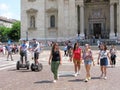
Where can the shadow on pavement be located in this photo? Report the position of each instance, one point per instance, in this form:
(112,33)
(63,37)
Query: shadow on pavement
(66,76)
(21,70)
(42,82)
(76,80)
(95,77)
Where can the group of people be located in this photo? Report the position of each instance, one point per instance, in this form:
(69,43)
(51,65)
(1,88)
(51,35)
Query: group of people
(35,48)
(76,55)
(8,49)
(85,54)
(23,50)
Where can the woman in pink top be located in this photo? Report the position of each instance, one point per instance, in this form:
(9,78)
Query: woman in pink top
(76,57)
(88,59)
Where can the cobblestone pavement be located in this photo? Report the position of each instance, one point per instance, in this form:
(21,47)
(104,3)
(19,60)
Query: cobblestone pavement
(12,79)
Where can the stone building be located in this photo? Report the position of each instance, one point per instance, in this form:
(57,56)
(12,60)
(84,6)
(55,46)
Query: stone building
(67,19)
(6,22)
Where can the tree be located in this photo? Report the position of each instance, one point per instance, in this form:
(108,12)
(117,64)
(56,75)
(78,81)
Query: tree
(15,31)
(10,33)
(4,31)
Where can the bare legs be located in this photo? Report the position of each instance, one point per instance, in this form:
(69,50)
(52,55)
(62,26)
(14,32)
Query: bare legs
(87,67)
(104,71)
(77,66)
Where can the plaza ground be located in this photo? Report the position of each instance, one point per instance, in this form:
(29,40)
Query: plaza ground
(12,79)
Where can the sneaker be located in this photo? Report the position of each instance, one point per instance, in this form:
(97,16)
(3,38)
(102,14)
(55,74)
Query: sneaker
(75,74)
(86,80)
(105,77)
(89,78)
(54,81)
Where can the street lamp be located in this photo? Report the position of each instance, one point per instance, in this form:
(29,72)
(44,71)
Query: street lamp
(26,35)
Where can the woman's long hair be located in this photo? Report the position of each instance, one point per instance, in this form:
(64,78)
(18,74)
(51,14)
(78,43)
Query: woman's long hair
(105,47)
(53,47)
(75,46)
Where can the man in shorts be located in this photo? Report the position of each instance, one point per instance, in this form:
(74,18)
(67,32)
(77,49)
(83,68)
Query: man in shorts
(36,50)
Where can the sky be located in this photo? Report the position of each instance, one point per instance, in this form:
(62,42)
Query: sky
(10,9)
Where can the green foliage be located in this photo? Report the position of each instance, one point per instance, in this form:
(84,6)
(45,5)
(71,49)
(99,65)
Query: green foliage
(10,33)
(3,33)
(15,32)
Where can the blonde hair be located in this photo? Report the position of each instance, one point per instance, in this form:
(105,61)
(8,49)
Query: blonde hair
(87,45)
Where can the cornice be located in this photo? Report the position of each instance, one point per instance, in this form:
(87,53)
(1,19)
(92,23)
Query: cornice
(32,10)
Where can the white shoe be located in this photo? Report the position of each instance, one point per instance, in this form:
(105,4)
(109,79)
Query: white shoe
(89,78)
(86,80)
(105,77)
(54,81)
(75,74)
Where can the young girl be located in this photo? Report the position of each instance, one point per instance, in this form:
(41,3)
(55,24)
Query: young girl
(55,60)
(103,60)
(76,56)
(88,59)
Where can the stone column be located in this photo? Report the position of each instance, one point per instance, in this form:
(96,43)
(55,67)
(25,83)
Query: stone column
(72,23)
(82,21)
(118,19)
(60,19)
(66,20)
(118,23)
(112,34)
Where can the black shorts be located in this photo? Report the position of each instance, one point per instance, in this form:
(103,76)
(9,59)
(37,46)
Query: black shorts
(113,57)
(36,55)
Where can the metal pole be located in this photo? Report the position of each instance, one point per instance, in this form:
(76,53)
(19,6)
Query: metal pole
(26,35)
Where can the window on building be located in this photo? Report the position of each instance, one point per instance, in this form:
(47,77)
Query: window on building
(32,13)
(32,21)
(52,21)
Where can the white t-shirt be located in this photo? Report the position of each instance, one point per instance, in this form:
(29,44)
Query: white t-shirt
(103,54)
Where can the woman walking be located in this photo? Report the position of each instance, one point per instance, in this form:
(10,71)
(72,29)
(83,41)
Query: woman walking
(103,60)
(76,57)
(113,55)
(88,59)
(55,60)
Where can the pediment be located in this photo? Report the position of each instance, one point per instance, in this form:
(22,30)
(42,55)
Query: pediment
(51,10)
(32,10)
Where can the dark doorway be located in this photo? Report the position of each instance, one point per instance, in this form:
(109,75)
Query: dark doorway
(97,30)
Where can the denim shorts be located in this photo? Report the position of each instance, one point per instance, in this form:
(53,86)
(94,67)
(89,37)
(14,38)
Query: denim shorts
(103,62)
(87,62)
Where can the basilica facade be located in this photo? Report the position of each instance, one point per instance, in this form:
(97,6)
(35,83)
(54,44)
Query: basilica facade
(68,19)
